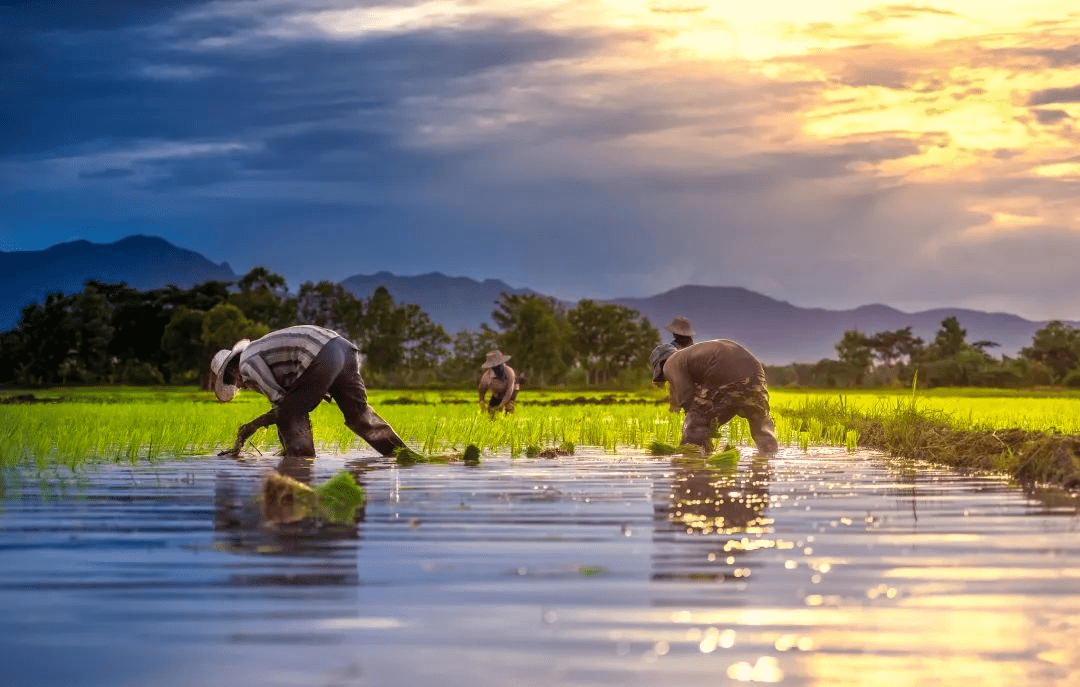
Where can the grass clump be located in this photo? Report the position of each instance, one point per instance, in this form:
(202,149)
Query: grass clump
(907,430)
(286,501)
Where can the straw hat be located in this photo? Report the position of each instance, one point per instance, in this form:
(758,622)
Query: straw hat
(680,326)
(494,359)
(225,392)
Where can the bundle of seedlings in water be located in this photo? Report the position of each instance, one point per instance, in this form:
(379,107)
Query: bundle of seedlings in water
(566,448)
(406,456)
(659,448)
(287,501)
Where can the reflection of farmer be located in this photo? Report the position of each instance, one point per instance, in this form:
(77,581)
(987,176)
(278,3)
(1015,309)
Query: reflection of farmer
(499,378)
(296,368)
(706,500)
(713,381)
(681,331)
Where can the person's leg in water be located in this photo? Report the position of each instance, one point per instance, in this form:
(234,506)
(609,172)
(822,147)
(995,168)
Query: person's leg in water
(293,422)
(762,428)
(509,407)
(493,404)
(296,437)
(350,394)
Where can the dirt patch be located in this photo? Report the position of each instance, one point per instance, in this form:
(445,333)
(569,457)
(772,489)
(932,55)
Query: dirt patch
(28,398)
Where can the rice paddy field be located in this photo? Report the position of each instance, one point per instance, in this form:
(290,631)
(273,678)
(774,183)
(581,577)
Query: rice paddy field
(73,426)
(832,562)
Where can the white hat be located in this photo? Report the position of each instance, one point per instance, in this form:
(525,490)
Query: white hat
(680,326)
(494,359)
(225,392)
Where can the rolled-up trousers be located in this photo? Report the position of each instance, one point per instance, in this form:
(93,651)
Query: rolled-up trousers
(335,371)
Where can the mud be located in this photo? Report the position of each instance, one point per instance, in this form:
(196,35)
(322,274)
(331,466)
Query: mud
(1033,457)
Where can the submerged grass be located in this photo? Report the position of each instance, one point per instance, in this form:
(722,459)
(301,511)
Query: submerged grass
(1030,437)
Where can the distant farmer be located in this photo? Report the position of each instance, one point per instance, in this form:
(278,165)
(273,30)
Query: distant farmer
(682,332)
(296,368)
(500,379)
(713,381)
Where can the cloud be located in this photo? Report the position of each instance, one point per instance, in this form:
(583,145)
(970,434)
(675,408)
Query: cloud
(1051,96)
(821,156)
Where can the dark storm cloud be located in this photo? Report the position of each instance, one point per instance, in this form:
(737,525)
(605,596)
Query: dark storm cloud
(1050,116)
(112,84)
(1051,96)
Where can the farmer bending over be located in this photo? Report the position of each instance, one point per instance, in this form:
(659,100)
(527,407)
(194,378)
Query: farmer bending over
(713,381)
(296,368)
(500,379)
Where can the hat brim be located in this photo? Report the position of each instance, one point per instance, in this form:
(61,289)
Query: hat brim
(680,331)
(225,392)
(494,363)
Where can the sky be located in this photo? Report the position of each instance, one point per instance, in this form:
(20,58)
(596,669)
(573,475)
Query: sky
(830,154)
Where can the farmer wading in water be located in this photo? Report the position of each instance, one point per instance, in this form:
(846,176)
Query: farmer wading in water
(296,368)
(713,381)
(500,379)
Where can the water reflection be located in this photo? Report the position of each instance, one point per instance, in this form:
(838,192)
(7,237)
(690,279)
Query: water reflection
(268,514)
(714,515)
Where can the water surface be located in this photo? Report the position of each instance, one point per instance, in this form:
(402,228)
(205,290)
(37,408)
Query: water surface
(818,568)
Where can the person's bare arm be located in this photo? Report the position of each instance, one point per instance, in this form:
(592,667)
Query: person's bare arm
(247,429)
(485,384)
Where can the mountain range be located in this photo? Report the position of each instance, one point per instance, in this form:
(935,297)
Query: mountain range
(776,331)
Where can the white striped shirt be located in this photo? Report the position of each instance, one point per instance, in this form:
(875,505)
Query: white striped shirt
(273,363)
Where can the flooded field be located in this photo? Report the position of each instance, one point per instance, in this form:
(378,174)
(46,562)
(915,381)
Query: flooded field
(809,568)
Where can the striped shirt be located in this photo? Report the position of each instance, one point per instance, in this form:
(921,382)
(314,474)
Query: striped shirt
(273,363)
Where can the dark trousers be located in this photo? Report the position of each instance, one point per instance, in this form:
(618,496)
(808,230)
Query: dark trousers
(335,371)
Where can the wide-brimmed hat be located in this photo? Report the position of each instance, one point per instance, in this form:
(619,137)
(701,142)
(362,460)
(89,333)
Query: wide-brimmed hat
(680,326)
(225,392)
(494,359)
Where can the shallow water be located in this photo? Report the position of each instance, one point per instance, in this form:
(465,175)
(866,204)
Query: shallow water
(819,568)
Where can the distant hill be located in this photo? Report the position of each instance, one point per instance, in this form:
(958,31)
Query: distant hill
(143,262)
(776,331)
(780,333)
(454,302)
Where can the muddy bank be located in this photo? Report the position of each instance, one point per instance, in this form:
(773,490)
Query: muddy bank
(608,400)
(27,398)
(1029,457)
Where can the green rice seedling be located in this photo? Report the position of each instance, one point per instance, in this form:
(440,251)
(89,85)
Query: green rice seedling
(130,424)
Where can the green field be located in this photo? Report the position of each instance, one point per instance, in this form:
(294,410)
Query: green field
(136,423)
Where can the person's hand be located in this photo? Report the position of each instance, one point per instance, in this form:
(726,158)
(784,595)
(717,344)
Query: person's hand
(242,435)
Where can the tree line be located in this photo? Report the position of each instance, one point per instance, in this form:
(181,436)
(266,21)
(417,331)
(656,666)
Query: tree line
(898,357)
(114,334)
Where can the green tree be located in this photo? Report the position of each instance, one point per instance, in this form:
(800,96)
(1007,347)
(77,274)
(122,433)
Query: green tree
(222,327)
(535,332)
(383,337)
(609,339)
(332,306)
(45,329)
(854,350)
(263,296)
(425,341)
(182,345)
(468,350)
(891,347)
(89,322)
(1056,345)
(950,339)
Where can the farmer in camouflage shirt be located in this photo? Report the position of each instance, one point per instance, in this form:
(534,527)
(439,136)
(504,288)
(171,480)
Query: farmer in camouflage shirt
(713,381)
